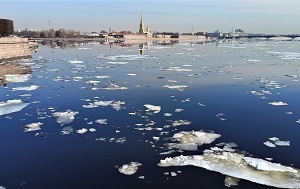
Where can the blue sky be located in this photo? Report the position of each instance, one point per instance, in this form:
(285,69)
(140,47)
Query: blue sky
(256,16)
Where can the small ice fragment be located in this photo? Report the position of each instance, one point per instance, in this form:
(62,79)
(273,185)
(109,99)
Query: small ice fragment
(81,131)
(173,174)
(65,117)
(121,140)
(167,114)
(112,87)
(75,61)
(131,74)
(298,121)
(279,103)
(140,177)
(67,130)
(101,121)
(178,110)
(176,87)
(269,144)
(156,138)
(289,113)
(231,181)
(29,88)
(166,173)
(117,131)
(155,109)
(129,169)
(33,127)
(92,129)
(201,104)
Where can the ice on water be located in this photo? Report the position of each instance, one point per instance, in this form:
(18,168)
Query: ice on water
(150,107)
(65,117)
(17,78)
(33,127)
(130,168)
(12,106)
(28,88)
(239,166)
(190,140)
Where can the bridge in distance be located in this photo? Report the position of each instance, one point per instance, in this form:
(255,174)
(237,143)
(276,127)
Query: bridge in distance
(268,36)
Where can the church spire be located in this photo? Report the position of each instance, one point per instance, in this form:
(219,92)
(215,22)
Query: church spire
(141,30)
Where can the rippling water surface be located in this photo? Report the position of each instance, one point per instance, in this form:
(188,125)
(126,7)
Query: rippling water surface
(86,111)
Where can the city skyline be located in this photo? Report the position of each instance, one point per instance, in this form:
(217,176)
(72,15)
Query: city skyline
(264,16)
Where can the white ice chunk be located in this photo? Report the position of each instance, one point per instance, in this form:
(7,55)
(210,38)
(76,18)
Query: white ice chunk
(264,165)
(101,121)
(238,166)
(65,117)
(33,127)
(129,169)
(155,109)
(167,114)
(279,103)
(81,131)
(113,87)
(76,61)
(269,144)
(17,78)
(178,110)
(92,129)
(181,122)
(102,77)
(231,181)
(11,106)
(132,74)
(176,87)
(29,88)
(67,130)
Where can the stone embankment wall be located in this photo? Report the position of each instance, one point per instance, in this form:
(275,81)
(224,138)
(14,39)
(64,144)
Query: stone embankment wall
(14,48)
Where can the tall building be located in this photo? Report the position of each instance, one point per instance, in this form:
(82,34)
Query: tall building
(141,31)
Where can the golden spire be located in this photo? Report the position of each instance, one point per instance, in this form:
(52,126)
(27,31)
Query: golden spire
(141,31)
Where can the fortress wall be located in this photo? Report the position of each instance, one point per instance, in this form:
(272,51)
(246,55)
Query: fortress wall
(136,37)
(14,48)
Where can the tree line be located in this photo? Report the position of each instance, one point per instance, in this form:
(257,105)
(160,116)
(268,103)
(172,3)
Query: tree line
(61,33)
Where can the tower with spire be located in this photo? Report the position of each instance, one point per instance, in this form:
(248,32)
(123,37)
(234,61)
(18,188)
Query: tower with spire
(141,31)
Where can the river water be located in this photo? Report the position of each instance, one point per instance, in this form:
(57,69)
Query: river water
(89,109)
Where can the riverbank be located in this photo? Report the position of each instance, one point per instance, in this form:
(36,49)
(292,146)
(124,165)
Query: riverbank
(12,48)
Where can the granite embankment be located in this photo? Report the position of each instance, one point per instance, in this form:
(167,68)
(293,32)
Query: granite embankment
(14,48)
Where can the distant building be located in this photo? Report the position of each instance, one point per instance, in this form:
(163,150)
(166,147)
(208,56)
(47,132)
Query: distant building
(141,30)
(6,27)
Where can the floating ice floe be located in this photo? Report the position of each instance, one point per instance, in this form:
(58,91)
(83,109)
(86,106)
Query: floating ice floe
(231,181)
(155,109)
(117,63)
(17,78)
(125,57)
(287,55)
(81,131)
(178,110)
(180,122)
(167,114)
(129,169)
(190,140)
(113,87)
(117,105)
(298,121)
(67,130)
(102,77)
(11,106)
(65,117)
(33,127)
(29,88)
(132,74)
(176,87)
(101,121)
(274,141)
(239,166)
(279,103)
(177,69)
(76,61)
